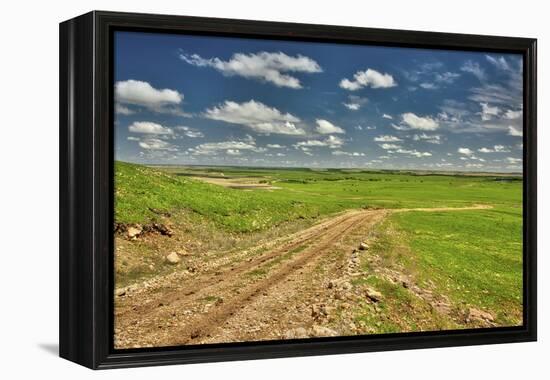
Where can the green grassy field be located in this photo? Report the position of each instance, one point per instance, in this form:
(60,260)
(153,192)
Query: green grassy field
(142,192)
(473,257)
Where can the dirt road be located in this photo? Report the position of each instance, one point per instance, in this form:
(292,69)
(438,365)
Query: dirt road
(283,289)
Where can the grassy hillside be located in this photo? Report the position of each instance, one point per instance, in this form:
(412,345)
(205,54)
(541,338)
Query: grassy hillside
(143,193)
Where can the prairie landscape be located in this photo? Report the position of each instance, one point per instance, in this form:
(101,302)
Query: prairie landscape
(283,190)
(212,254)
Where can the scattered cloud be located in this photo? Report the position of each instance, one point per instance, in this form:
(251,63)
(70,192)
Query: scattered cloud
(123,110)
(513,160)
(387,138)
(512,131)
(325,127)
(474,165)
(230,147)
(465,151)
(332,142)
(233,152)
(432,139)
(389,146)
(494,149)
(351,154)
(428,86)
(512,115)
(151,143)
(263,66)
(412,121)
(499,62)
(256,116)
(430,76)
(148,127)
(275,146)
(368,78)
(190,132)
(446,77)
(475,69)
(355,103)
(413,152)
(488,112)
(386,116)
(142,94)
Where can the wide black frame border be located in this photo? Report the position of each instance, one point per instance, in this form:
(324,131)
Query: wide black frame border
(86,189)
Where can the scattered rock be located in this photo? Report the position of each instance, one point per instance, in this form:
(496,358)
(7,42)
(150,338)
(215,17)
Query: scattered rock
(322,331)
(346,285)
(173,258)
(480,315)
(374,295)
(163,229)
(296,333)
(363,246)
(120,292)
(134,232)
(183,252)
(319,311)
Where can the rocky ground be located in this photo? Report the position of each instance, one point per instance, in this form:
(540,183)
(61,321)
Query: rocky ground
(325,280)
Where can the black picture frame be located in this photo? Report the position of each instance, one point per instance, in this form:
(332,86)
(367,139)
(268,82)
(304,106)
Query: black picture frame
(86,189)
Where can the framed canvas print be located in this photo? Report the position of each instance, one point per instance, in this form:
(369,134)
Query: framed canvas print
(238,189)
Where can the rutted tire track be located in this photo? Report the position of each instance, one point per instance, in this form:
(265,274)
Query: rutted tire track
(206,324)
(200,285)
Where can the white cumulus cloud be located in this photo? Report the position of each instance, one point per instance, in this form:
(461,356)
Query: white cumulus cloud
(156,144)
(513,131)
(256,116)
(148,127)
(231,147)
(368,78)
(264,66)
(465,151)
(387,138)
(325,127)
(142,94)
(512,115)
(412,121)
(332,142)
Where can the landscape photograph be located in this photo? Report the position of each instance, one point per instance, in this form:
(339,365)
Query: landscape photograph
(284,190)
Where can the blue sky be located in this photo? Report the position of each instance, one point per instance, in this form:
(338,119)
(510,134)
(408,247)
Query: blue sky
(232,101)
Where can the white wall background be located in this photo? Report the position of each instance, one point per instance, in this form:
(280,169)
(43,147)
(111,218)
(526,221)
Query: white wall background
(29,191)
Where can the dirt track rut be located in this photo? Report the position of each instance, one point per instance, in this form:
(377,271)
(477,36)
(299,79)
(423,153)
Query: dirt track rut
(252,298)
